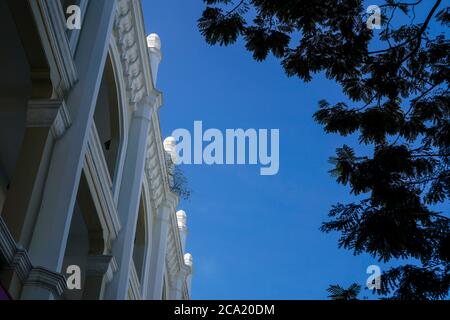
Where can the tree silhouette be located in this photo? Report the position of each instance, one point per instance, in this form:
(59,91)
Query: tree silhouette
(339,293)
(398,104)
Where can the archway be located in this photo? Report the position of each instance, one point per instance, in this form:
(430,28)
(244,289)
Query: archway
(86,247)
(25,135)
(107,119)
(15,91)
(24,143)
(141,242)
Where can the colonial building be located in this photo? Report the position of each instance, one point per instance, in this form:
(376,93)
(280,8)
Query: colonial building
(87,205)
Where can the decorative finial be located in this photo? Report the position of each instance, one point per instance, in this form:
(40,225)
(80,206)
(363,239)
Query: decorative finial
(170,146)
(182,219)
(188,260)
(155,55)
(153,41)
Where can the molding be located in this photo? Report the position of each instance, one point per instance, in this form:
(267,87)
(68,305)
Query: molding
(100,185)
(49,113)
(98,265)
(8,246)
(102,265)
(18,260)
(156,168)
(21,264)
(173,267)
(113,268)
(50,19)
(134,284)
(153,171)
(185,292)
(62,122)
(130,37)
(49,280)
(124,114)
(175,263)
(131,43)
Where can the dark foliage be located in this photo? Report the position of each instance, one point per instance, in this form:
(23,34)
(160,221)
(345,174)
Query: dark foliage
(180,184)
(178,181)
(338,293)
(398,104)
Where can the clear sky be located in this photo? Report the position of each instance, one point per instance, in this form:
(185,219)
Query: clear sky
(252,237)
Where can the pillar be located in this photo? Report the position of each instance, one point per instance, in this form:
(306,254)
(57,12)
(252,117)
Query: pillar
(47,120)
(49,239)
(129,197)
(159,247)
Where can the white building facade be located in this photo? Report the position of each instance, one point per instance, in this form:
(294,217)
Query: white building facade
(85,178)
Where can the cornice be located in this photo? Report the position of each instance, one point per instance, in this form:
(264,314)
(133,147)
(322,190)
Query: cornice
(49,280)
(132,45)
(156,167)
(130,37)
(102,265)
(8,246)
(18,260)
(49,113)
(50,18)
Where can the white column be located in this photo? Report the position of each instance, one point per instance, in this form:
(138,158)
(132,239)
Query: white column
(52,226)
(155,55)
(129,197)
(182,228)
(159,247)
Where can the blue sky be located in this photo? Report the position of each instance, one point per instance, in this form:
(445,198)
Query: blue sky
(252,237)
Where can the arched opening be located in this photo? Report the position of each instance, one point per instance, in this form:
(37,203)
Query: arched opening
(140,241)
(107,118)
(15,91)
(23,144)
(85,245)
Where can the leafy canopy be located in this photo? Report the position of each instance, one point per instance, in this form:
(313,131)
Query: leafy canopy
(398,104)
